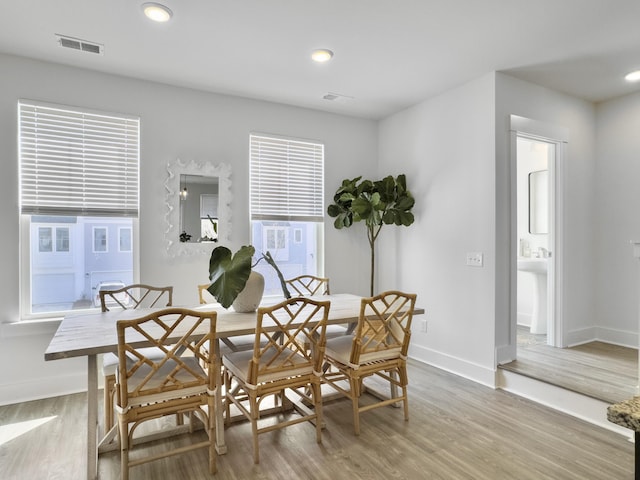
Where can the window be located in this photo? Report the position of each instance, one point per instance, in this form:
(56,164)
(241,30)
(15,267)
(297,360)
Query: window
(99,239)
(62,239)
(124,239)
(287,206)
(208,217)
(45,242)
(45,239)
(78,192)
(274,240)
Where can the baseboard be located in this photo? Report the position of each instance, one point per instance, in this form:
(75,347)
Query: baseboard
(37,389)
(457,366)
(623,338)
(580,406)
(580,336)
(524,319)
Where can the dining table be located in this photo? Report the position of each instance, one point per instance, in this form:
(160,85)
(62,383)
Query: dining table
(89,334)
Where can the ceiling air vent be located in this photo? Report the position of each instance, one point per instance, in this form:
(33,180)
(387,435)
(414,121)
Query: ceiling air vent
(337,97)
(82,45)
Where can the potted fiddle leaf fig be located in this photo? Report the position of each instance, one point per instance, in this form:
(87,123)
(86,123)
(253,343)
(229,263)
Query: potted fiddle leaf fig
(233,282)
(377,203)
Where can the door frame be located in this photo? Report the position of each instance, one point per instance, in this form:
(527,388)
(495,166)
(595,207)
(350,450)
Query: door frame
(535,130)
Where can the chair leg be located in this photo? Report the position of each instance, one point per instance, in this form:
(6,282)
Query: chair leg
(109,398)
(317,402)
(402,373)
(227,402)
(406,403)
(124,448)
(211,431)
(355,396)
(255,414)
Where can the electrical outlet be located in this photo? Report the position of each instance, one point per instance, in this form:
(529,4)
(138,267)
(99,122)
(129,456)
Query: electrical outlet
(474,259)
(423,327)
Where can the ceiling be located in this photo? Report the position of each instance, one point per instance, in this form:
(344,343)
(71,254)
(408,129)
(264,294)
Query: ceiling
(389,54)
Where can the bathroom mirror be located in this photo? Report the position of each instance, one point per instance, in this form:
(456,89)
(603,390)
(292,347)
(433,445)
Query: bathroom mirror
(198,203)
(539,202)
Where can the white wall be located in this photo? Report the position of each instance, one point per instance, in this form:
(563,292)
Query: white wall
(445,145)
(455,149)
(175,123)
(617,210)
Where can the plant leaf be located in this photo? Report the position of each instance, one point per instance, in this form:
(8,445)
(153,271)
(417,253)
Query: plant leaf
(229,274)
(362,206)
(333,210)
(405,202)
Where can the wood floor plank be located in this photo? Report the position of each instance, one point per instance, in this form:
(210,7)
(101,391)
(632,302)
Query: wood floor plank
(458,429)
(600,370)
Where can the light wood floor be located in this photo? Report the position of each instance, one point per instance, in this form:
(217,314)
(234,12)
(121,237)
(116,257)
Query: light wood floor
(458,430)
(600,370)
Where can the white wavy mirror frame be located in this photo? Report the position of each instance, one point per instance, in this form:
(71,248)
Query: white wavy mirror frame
(222,171)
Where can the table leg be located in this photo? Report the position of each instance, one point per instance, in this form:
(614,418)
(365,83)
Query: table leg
(221,446)
(92,417)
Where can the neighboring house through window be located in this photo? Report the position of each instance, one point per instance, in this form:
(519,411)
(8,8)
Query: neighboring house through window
(287,209)
(78,197)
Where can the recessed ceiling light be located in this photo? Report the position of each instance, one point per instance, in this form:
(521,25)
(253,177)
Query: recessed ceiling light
(322,55)
(633,76)
(157,12)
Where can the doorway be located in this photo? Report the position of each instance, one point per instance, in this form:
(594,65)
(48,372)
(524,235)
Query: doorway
(536,245)
(534,159)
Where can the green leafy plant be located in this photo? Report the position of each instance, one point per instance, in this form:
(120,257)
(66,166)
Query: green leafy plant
(229,273)
(377,203)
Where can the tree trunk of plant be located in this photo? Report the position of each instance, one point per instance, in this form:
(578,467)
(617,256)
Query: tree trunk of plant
(372,234)
(373,262)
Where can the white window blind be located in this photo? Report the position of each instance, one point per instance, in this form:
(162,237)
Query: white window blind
(77,163)
(287,179)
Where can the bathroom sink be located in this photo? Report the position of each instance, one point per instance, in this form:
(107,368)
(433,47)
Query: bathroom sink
(533,265)
(538,268)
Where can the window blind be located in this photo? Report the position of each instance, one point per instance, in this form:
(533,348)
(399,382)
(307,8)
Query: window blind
(77,163)
(287,179)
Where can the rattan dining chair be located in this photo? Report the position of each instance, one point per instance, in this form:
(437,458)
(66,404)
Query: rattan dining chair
(202,296)
(310,285)
(136,296)
(235,344)
(377,347)
(175,384)
(279,366)
(128,297)
(305,285)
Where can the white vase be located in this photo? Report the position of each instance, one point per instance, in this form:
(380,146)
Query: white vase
(251,295)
